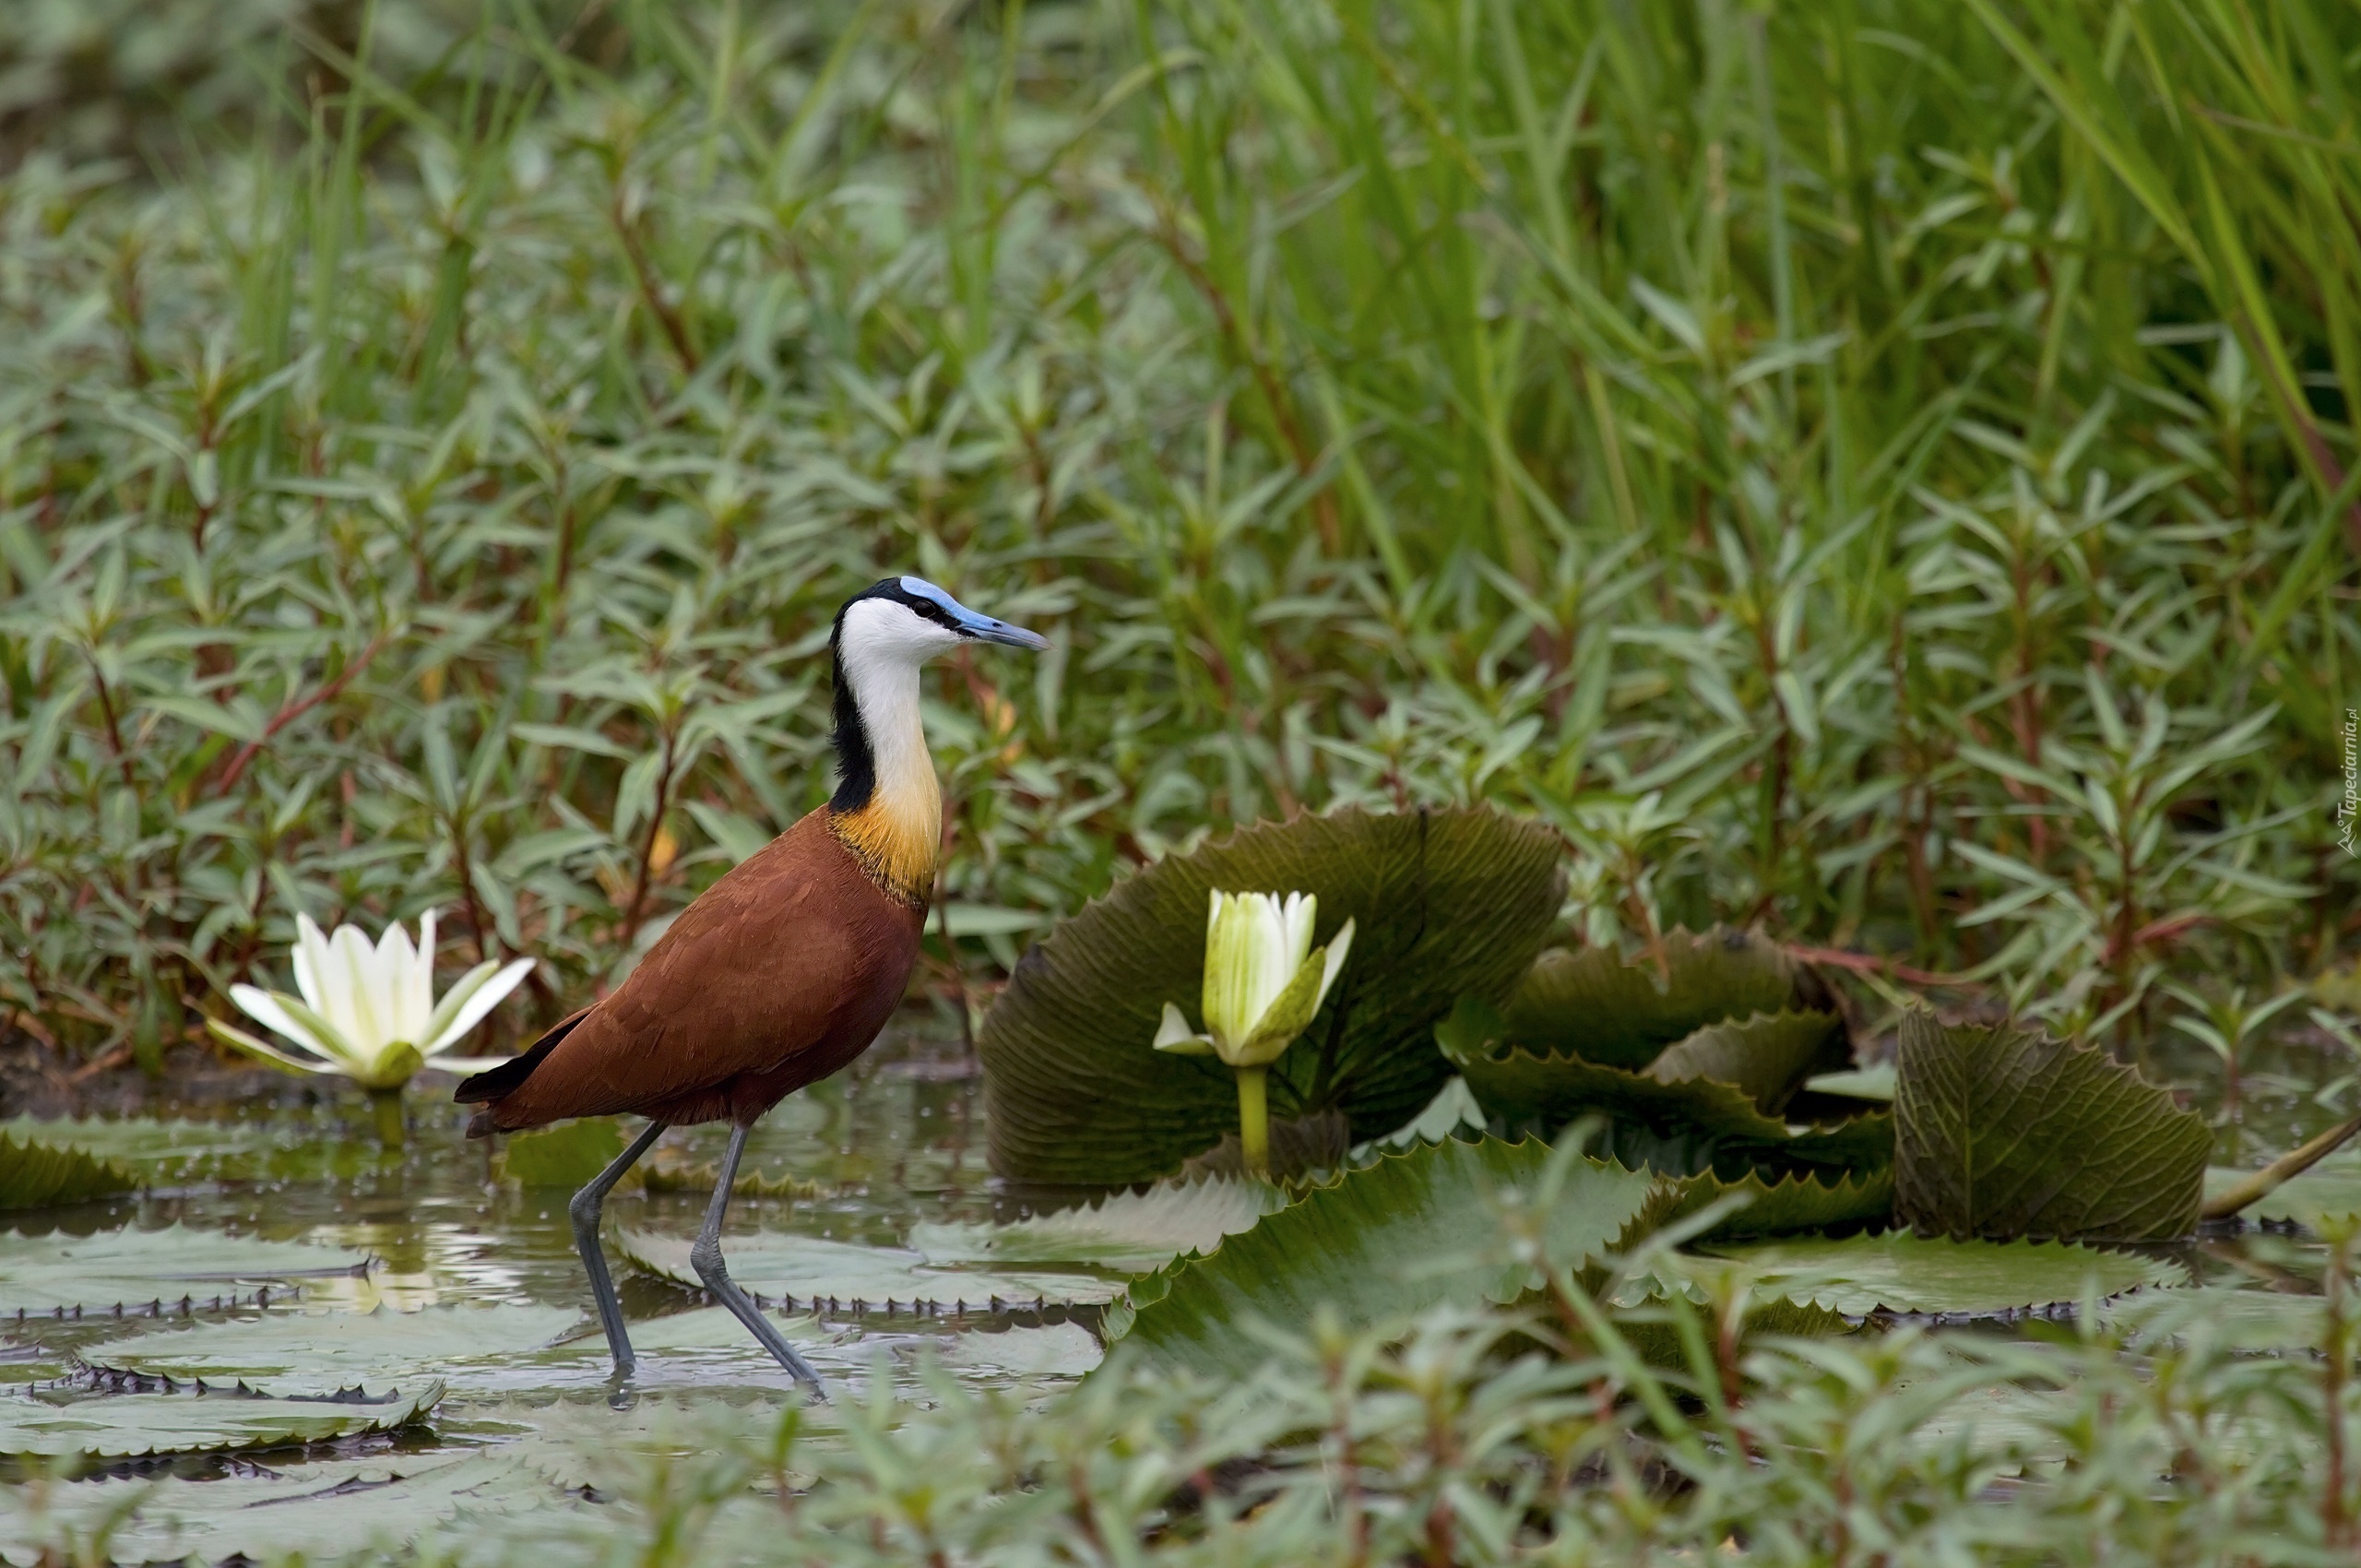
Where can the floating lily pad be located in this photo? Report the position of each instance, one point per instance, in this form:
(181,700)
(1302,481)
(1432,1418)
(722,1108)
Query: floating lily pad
(1902,1273)
(2328,1191)
(2243,1319)
(1132,1232)
(55,1422)
(1767,1055)
(149,1272)
(2001,1131)
(567,1155)
(850,1279)
(382,1500)
(1445,903)
(1792,1204)
(1452,1113)
(466,1348)
(37,1175)
(669,1176)
(161,1152)
(1382,1242)
(1682,1127)
(1598,1006)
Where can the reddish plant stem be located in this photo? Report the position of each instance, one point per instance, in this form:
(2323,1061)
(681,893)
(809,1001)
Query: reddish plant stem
(326,692)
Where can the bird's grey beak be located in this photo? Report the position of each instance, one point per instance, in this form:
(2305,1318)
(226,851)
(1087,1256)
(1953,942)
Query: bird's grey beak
(983,628)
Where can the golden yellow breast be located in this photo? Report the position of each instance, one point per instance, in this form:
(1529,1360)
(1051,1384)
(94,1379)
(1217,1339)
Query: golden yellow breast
(896,838)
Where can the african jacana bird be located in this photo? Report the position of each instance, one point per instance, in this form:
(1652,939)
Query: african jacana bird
(780,973)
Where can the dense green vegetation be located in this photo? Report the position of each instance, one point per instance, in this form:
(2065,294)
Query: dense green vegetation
(1878,476)
(1876,472)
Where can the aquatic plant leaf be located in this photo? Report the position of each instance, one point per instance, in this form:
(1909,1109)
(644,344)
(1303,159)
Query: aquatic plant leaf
(2241,1319)
(35,1175)
(1444,902)
(1794,1203)
(55,1423)
(2001,1131)
(1766,1054)
(1689,1124)
(567,1155)
(161,1151)
(1902,1273)
(1132,1232)
(1871,1083)
(1452,1113)
(1380,1242)
(671,1176)
(147,1273)
(467,1348)
(384,1501)
(2330,1190)
(850,1279)
(1594,1003)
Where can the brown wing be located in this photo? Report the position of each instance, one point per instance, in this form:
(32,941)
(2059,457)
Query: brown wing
(795,957)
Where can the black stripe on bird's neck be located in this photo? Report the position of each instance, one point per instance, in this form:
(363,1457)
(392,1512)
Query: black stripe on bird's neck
(855,764)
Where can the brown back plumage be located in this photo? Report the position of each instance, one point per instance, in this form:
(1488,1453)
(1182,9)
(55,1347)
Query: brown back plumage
(774,977)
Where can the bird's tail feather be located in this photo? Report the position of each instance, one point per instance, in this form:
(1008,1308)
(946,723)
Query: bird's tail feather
(495,1083)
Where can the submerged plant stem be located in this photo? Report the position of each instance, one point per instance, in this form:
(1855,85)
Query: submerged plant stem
(385,1106)
(1254,1121)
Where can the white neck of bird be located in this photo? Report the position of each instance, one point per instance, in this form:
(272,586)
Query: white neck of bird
(899,832)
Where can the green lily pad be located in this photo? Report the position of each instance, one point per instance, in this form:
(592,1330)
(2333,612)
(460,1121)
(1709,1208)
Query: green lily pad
(846,1278)
(1796,1202)
(2241,1319)
(36,1175)
(1445,903)
(465,1348)
(567,1155)
(383,1501)
(150,1272)
(1596,1005)
(2328,1191)
(509,1352)
(2002,1133)
(1767,1054)
(1902,1273)
(1380,1243)
(1682,1127)
(1130,1232)
(163,1152)
(52,1423)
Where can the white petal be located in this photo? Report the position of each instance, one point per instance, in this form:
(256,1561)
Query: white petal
(267,1052)
(311,965)
(1338,946)
(1174,1035)
(420,1005)
(396,968)
(1296,916)
(1173,1026)
(467,1063)
(266,1010)
(1277,956)
(486,991)
(351,985)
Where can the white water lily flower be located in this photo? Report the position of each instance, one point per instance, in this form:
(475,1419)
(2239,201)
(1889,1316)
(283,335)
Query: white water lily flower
(369,1013)
(1263,980)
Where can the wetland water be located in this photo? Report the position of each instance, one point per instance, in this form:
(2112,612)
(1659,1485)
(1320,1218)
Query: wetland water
(433,1270)
(473,1282)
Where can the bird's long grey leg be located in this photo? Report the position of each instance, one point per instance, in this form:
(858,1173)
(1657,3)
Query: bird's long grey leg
(705,1257)
(584,1209)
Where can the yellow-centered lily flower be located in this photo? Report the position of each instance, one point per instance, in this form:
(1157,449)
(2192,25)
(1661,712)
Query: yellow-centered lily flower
(1264,983)
(366,1013)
